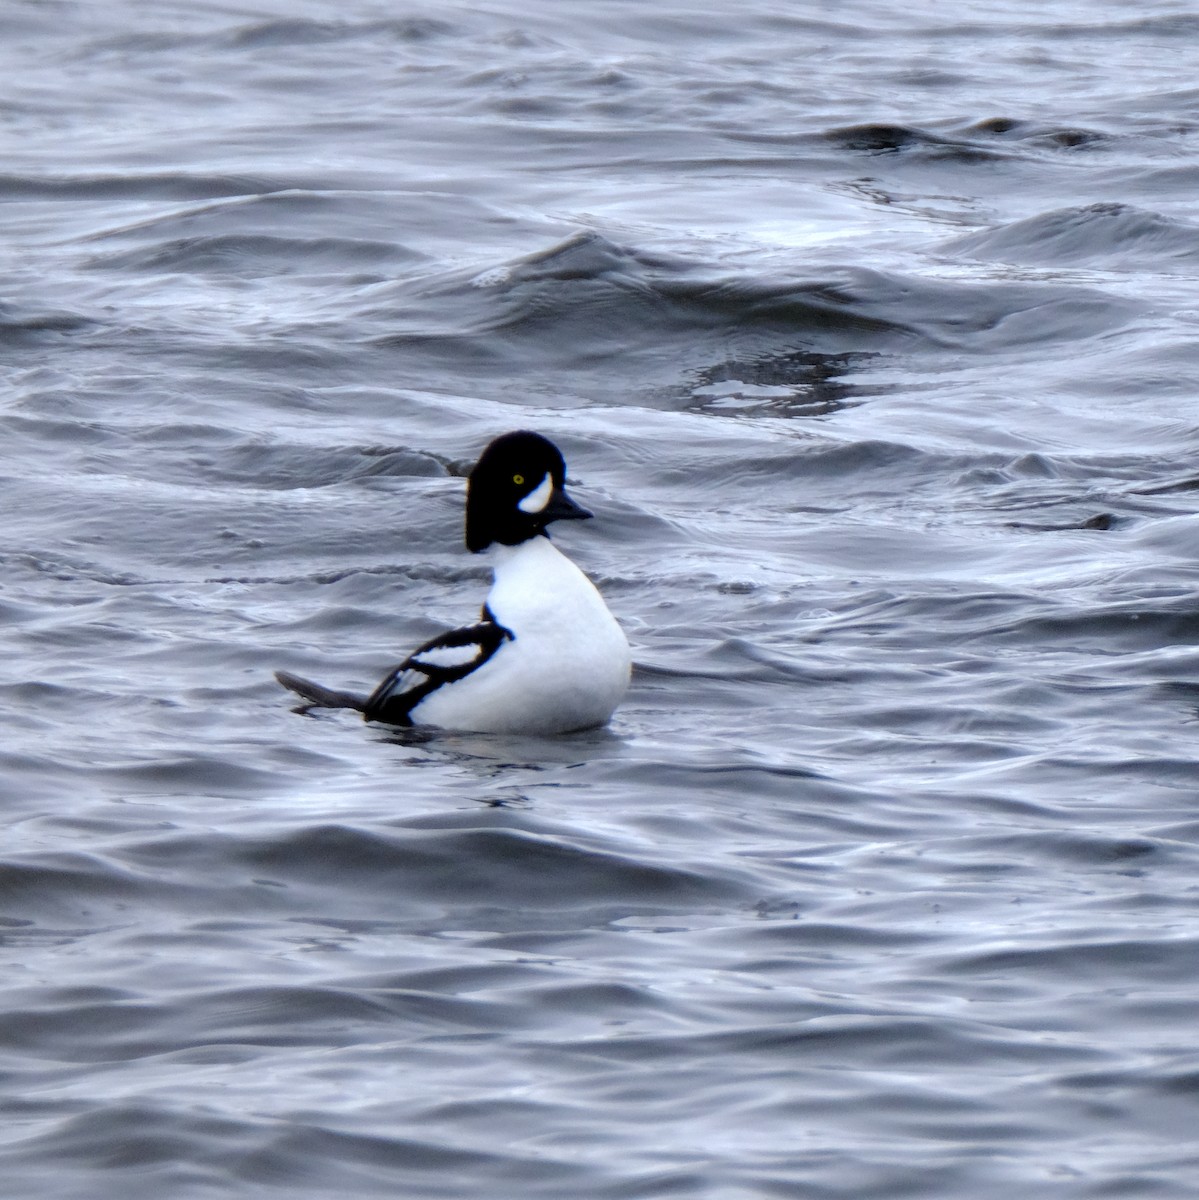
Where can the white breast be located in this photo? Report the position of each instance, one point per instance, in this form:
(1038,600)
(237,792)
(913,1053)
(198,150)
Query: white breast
(567,666)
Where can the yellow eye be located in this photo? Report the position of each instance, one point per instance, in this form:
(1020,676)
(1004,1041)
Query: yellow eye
(518,479)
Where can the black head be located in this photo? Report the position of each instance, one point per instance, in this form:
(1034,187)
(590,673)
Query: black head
(515,490)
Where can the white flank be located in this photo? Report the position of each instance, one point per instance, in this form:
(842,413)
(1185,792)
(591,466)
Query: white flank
(539,497)
(566,666)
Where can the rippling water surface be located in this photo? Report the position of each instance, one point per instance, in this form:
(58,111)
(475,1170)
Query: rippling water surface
(869,333)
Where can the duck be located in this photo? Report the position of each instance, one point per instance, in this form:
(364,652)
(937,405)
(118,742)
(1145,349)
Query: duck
(546,656)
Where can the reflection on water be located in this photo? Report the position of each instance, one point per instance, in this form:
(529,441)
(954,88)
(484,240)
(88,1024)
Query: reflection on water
(787,385)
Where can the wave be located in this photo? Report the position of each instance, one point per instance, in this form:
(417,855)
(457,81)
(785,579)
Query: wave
(1094,234)
(589,301)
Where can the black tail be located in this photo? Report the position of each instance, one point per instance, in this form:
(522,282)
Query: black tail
(318,696)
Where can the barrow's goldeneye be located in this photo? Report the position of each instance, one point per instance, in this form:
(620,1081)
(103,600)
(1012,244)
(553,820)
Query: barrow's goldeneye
(546,657)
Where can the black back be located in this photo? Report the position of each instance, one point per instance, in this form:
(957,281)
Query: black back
(420,674)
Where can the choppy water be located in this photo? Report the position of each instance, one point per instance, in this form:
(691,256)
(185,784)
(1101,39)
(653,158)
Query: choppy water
(870,335)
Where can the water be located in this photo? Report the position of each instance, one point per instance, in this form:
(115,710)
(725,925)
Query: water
(870,335)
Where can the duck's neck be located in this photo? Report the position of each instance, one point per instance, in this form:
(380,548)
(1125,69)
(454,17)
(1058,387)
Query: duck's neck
(532,550)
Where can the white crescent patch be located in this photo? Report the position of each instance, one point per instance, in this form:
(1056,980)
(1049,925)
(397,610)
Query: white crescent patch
(539,497)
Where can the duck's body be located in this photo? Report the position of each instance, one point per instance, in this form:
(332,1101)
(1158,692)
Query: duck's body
(547,657)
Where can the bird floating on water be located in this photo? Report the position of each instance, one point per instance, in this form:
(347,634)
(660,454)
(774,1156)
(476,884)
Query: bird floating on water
(546,656)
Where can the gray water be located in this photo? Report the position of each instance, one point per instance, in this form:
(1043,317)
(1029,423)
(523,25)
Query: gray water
(869,333)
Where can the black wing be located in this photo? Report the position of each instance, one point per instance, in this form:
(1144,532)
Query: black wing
(444,659)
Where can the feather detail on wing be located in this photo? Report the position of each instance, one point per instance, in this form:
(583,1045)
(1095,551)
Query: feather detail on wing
(445,659)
